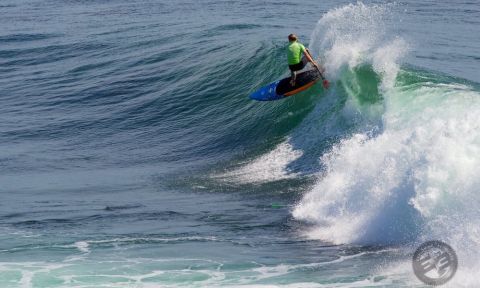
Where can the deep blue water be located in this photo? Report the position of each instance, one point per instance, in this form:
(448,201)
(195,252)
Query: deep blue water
(131,155)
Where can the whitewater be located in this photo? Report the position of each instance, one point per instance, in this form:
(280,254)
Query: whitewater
(407,172)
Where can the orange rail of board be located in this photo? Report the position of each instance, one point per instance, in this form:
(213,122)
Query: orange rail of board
(300,89)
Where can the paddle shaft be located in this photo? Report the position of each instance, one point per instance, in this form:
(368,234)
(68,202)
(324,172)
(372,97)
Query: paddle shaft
(315,64)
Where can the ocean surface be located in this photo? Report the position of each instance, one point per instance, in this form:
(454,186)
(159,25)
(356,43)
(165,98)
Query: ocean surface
(132,156)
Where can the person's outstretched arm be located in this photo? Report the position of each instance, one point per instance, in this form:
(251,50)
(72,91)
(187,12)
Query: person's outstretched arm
(310,58)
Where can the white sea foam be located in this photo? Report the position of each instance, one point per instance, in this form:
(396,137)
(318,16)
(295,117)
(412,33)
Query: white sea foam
(415,180)
(82,246)
(271,166)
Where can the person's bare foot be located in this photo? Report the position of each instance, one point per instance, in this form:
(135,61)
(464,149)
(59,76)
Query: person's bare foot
(292,82)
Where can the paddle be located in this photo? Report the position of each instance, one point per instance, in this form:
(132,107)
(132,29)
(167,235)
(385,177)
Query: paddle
(325,82)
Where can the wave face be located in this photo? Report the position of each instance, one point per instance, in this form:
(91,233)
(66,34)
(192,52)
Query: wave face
(414,176)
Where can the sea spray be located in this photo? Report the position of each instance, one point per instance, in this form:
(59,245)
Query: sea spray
(357,34)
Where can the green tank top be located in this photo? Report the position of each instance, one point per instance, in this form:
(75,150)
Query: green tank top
(294,52)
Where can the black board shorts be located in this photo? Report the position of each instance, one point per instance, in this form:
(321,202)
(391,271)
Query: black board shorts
(299,66)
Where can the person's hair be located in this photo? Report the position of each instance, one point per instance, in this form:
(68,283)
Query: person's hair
(292,37)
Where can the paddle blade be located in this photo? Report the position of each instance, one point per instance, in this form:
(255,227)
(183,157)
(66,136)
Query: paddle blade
(325,83)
